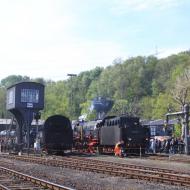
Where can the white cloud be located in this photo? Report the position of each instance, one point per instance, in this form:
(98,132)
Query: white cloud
(165,52)
(32,22)
(123,6)
(55,62)
(42,38)
(31,37)
(38,39)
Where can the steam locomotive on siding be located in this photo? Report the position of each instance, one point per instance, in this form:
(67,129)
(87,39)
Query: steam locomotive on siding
(104,135)
(125,129)
(57,135)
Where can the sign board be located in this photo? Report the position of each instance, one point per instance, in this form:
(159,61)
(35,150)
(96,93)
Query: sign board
(29,105)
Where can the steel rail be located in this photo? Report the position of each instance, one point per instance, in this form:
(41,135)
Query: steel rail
(165,170)
(2,187)
(34,180)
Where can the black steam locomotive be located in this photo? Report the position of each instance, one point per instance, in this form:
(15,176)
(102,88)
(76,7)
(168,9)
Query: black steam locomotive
(125,129)
(57,134)
(111,130)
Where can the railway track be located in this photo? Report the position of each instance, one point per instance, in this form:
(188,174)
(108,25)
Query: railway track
(125,165)
(11,179)
(129,171)
(171,158)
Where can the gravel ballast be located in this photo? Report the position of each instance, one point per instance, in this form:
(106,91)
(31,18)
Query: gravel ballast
(93,181)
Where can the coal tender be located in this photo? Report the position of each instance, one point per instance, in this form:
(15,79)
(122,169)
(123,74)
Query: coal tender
(57,134)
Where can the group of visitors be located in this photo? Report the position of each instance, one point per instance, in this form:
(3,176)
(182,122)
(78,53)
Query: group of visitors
(170,145)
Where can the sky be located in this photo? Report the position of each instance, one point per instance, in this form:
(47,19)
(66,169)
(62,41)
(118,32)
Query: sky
(52,38)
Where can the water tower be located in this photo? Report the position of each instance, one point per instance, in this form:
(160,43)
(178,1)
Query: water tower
(24,100)
(101,105)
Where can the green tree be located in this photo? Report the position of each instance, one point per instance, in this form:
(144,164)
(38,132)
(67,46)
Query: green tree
(181,90)
(56,100)
(162,103)
(177,130)
(13,79)
(119,107)
(3,111)
(146,107)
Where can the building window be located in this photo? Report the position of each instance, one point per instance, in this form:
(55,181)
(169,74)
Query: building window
(153,131)
(11,96)
(30,95)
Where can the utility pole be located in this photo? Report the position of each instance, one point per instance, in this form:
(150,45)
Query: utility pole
(186,126)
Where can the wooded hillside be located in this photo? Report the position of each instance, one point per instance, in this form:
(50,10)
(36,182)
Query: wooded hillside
(144,86)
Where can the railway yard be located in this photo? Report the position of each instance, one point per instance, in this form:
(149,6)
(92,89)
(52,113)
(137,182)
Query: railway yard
(116,153)
(95,172)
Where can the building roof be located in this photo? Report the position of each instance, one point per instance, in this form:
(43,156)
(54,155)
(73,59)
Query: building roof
(159,122)
(9,122)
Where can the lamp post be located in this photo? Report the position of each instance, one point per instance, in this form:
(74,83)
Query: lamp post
(71,75)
